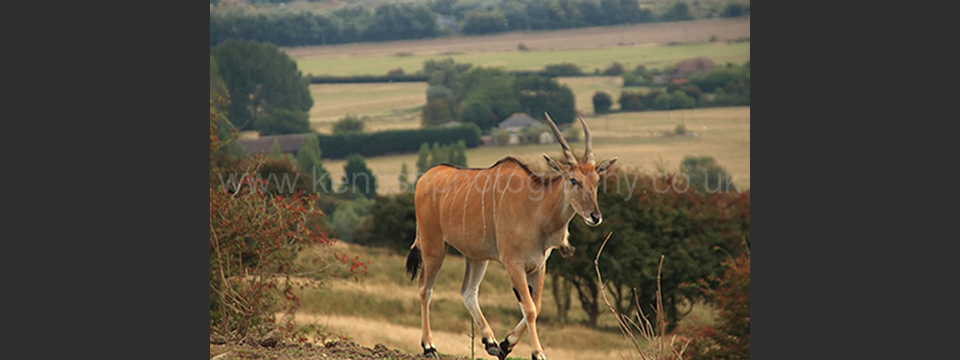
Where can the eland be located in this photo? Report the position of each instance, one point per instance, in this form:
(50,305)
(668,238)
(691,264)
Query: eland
(504,213)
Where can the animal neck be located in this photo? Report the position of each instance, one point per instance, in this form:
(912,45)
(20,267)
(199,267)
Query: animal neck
(557,210)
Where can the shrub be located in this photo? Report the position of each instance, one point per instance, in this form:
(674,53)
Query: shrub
(254,242)
(601,102)
(631,79)
(392,224)
(395,72)
(348,124)
(282,121)
(631,101)
(501,137)
(338,146)
(615,69)
(438,111)
(730,337)
(562,69)
(522,47)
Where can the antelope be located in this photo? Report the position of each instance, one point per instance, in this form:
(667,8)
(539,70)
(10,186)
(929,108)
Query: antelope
(504,213)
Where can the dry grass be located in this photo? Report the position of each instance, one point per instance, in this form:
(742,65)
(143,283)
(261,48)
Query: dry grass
(723,133)
(389,106)
(584,38)
(385,308)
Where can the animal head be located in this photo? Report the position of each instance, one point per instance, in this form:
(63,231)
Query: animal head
(580,178)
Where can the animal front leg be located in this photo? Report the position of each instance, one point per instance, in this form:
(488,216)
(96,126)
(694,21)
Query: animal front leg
(528,305)
(535,286)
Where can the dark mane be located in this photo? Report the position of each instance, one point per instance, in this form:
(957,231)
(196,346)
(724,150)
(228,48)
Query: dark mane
(537,179)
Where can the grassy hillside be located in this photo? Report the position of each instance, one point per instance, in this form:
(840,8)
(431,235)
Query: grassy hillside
(385,308)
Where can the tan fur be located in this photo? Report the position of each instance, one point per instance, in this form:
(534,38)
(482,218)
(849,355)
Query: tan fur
(504,213)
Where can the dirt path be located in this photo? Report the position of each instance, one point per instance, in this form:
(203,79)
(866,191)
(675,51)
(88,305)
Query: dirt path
(369,332)
(584,38)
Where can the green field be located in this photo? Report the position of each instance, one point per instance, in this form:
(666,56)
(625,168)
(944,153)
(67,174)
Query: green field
(388,106)
(652,56)
(385,308)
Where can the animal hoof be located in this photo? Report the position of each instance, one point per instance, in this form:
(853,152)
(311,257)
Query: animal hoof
(430,353)
(538,356)
(505,349)
(492,348)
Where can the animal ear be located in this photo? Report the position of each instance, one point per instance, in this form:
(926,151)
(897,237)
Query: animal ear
(605,165)
(553,163)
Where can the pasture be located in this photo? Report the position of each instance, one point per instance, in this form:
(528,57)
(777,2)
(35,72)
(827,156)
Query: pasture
(635,137)
(385,308)
(589,59)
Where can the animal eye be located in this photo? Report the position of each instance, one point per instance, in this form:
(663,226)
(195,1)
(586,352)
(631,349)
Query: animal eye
(574,182)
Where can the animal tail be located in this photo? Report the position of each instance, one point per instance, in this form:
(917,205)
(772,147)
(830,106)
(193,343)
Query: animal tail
(414,259)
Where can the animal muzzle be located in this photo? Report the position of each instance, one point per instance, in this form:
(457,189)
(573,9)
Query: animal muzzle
(594,220)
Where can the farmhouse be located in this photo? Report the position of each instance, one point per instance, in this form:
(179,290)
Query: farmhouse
(289,144)
(518,121)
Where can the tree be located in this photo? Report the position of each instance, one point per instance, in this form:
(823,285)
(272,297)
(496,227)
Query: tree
(283,121)
(541,94)
(615,69)
(260,79)
(601,102)
(679,11)
(275,150)
(494,88)
(357,177)
(403,21)
(438,111)
(477,22)
(308,160)
(348,124)
(423,160)
(445,73)
(479,113)
(404,178)
(657,216)
(706,176)
(563,69)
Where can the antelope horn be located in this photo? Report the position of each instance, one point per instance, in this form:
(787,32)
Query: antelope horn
(563,142)
(588,150)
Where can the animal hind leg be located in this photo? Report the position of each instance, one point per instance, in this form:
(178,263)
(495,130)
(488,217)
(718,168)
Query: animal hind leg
(518,279)
(475,270)
(433,254)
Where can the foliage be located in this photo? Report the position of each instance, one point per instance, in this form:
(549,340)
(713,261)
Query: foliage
(281,122)
(404,178)
(678,12)
(479,114)
(601,102)
(501,137)
(254,241)
(339,146)
(631,101)
(438,111)
(261,79)
(632,79)
(392,223)
(309,163)
(482,22)
(453,154)
(393,21)
(563,69)
(358,178)
(348,215)
(722,77)
(735,10)
(541,94)
(348,124)
(659,214)
(446,73)
(494,89)
(615,69)
(730,338)
(706,176)
(672,101)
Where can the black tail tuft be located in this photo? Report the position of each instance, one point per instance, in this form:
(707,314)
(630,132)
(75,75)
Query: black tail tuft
(413,262)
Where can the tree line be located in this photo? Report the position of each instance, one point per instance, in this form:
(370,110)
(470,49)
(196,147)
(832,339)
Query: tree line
(396,21)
